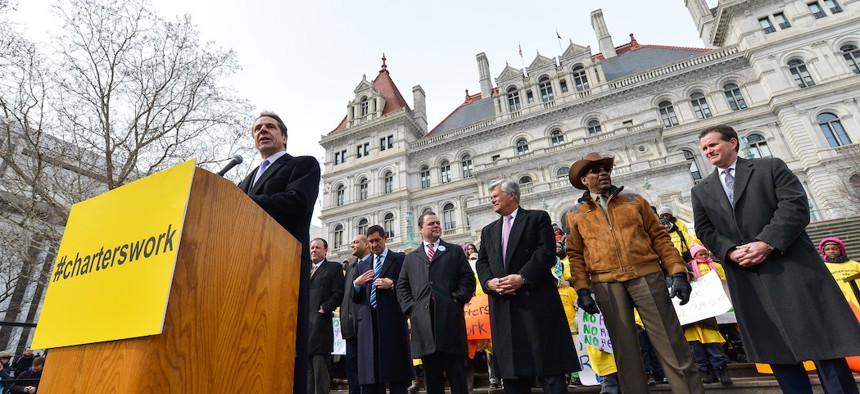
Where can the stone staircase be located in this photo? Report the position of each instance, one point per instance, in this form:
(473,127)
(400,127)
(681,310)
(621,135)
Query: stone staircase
(846,229)
(746,380)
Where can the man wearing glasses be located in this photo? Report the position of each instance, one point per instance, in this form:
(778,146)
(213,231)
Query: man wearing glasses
(615,246)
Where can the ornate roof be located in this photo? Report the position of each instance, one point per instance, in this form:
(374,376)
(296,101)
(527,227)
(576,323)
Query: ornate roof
(385,86)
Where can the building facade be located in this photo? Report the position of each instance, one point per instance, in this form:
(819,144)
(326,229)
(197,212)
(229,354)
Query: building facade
(785,74)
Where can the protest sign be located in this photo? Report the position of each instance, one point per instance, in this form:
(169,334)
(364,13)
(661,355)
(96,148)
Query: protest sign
(477,313)
(708,299)
(593,332)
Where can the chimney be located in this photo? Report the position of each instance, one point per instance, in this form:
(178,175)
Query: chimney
(702,17)
(602,33)
(419,111)
(484,75)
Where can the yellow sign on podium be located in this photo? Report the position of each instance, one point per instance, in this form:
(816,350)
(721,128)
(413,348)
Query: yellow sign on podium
(114,268)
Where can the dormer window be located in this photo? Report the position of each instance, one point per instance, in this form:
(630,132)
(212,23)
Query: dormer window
(545,86)
(365,107)
(513,99)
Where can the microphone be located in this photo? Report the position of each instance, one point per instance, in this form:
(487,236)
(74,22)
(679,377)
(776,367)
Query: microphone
(236,160)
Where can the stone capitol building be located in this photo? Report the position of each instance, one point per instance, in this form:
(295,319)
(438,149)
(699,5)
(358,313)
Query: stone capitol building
(785,74)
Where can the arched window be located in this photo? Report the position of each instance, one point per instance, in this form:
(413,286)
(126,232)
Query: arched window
(851,55)
(800,73)
(388,182)
(388,224)
(734,96)
(694,167)
(448,217)
(362,226)
(365,106)
(466,165)
(700,105)
(425,177)
(758,146)
(362,189)
(339,194)
(426,210)
(562,172)
(556,137)
(445,171)
(513,99)
(525,181)
(594,127)
(522,146)
(667,114)
(832,128)
(580,79)
(338,236)
(545,87)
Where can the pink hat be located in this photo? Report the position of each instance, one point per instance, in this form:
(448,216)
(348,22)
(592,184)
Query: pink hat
(695,248)
(830,240)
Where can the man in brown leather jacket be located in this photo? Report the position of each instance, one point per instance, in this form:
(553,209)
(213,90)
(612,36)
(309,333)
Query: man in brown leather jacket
(615,247)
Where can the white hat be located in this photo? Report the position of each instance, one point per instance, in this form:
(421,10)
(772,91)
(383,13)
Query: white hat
(663,210)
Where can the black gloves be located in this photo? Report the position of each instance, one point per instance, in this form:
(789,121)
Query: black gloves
(681,288)
(586,303)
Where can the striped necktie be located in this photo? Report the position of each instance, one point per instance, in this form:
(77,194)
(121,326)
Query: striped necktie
(730,185)
(430,252)
(377,266)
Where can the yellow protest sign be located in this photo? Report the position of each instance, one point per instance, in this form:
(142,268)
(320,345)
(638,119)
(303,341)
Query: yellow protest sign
(114,268)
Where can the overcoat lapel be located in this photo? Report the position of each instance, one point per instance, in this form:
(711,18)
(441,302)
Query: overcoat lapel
(743,171)
(273,168)
(437,254)
(516,234)
(714,191)
(496,248)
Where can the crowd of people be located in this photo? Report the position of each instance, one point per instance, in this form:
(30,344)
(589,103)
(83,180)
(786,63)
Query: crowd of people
(22,375)
(613,255)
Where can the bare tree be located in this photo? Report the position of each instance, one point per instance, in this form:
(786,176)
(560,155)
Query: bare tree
(122,93)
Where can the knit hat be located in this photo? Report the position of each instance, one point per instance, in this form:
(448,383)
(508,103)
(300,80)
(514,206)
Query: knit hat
(6,354)
(663,210)
(695,248)
(830,241)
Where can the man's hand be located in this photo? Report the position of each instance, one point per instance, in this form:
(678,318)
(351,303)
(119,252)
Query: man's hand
(508,285)
(681,288)
(585,302)
(362,279)
(383,283)
(751,254)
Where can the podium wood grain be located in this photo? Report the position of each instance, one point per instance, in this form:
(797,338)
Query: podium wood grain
(231,316)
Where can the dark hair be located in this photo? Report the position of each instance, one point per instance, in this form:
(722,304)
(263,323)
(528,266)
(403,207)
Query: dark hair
(376,229)
(325,243)
(421,218)
(270,114)
(38,361)
(726,134)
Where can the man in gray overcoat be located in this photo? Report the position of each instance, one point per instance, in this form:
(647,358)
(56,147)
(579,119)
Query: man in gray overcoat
(752,214)
(435,283)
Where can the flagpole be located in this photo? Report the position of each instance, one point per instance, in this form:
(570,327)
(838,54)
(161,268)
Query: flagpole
(560,51)
(523,60)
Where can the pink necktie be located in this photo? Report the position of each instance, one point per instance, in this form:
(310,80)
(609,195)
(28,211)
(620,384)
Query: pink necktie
(506,233)
(430,252)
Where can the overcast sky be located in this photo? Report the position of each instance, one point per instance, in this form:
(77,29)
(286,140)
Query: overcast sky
(303,59)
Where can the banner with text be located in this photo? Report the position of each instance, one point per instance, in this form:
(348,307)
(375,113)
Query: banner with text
(593,332)
(477,313)
(708,299)
(114,268)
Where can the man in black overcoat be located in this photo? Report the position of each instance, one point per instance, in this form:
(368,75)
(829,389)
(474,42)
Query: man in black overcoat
(531,338)
(286,187)
(349,312)
(752,214)
(383,334)
(326,292)
(435,283)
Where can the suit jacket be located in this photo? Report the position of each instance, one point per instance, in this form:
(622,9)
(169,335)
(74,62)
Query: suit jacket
(287,191)
(448,283)
(326,292)
(383,329)
(791,294)
(529,329)
(348,307)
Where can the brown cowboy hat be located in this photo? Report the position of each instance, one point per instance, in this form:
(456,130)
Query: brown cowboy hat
(591,159)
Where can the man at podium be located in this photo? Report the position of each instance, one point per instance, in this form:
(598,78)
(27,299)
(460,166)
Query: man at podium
(286,187)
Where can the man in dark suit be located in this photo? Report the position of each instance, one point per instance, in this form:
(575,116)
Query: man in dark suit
(752,214)
(286,187)
(349,312)
(530,334)
(435,283)
(326,292)
(383,334)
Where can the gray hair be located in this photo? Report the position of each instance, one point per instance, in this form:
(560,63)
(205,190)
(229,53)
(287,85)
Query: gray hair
(508,186)
(270,114)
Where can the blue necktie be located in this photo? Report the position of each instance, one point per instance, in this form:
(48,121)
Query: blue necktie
(263,166)
(730,186)
(377,266)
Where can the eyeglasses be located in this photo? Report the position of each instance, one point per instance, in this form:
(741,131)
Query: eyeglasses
(598,170)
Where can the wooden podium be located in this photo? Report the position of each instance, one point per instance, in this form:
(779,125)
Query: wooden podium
(231,317)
